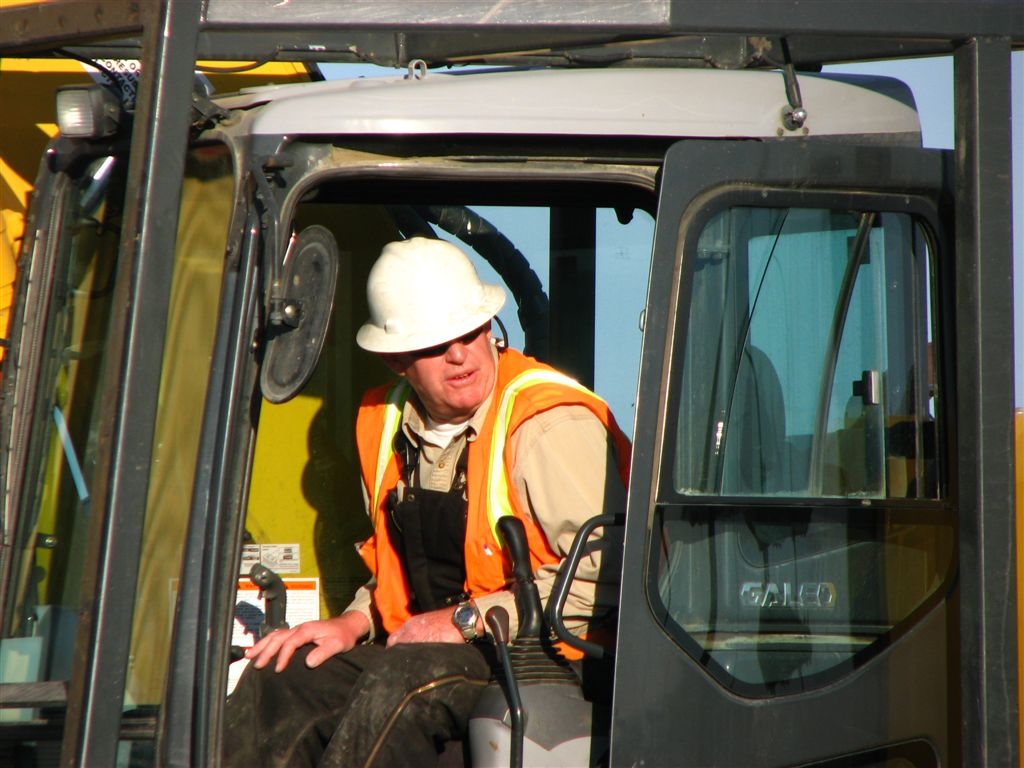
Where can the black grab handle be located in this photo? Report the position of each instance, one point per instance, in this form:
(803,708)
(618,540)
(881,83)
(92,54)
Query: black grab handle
(560,589)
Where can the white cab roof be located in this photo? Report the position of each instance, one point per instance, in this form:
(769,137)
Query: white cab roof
(582,102)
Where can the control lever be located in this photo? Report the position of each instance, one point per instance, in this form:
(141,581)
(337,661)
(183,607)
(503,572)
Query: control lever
(275,596)
(537,678)
(497,622)
(528,604)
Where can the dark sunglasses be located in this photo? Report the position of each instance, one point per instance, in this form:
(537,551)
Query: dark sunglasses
(440,349)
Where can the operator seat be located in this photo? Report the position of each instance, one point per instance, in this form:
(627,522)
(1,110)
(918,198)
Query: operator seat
(755,451)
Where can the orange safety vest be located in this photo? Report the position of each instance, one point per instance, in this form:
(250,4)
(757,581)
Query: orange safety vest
(524,388)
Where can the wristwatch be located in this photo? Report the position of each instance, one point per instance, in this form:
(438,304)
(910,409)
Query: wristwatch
(465,617)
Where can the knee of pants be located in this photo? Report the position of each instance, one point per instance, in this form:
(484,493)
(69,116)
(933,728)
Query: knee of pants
(414,665)
(432,686)
(295,677)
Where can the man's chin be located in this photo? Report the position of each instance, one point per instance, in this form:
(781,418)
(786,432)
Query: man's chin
(461,409)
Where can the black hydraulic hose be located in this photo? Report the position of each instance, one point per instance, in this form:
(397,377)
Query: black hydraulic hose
(410,221)
(476,231)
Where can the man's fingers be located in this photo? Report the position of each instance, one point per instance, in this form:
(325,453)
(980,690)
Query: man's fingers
(264,650)
(325,648)
(280,643)
(257,648)
(284,655)
(296,638)
(331,637)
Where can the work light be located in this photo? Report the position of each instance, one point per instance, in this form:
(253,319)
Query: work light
(87,111)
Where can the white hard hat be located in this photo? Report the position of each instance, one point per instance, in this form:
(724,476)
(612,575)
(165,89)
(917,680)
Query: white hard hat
(424,292)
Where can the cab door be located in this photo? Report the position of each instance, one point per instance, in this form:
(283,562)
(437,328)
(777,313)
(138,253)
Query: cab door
(789,595)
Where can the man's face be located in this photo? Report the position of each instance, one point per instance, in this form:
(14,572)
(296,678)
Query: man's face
(453,379)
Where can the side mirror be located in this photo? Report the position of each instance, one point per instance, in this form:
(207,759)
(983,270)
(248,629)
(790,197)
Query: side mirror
(300,311)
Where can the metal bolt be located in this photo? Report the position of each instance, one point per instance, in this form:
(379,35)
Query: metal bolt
(793,117)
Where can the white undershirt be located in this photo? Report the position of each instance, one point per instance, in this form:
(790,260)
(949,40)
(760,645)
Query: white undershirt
(441,433)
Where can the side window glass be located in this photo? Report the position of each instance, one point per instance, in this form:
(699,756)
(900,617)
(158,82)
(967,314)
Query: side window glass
(817,326)
(41,608)
(806,398)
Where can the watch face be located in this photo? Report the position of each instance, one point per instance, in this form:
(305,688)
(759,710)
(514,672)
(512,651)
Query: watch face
(464,617)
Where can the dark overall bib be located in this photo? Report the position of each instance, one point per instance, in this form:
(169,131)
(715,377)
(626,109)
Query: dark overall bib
(428,531)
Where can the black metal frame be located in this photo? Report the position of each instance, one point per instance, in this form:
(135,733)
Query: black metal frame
(134,359)
(984,326)
(189,725)
(392,32)
(169,36)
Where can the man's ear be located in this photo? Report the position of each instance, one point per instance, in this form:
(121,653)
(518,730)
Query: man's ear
(397,362)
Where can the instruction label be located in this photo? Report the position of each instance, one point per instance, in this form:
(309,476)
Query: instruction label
(280,558)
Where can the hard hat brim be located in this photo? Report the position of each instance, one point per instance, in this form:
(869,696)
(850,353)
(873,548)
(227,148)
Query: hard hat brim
(373,338)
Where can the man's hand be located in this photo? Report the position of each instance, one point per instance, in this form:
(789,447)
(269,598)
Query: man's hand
(330,636)
(431,627)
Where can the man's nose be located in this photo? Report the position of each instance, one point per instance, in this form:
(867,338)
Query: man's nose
(456,352)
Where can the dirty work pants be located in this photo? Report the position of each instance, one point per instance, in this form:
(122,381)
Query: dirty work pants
(372,706)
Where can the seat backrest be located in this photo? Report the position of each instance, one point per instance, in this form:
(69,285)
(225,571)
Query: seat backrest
(756,430)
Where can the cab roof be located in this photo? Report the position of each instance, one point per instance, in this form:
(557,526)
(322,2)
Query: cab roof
(581,102)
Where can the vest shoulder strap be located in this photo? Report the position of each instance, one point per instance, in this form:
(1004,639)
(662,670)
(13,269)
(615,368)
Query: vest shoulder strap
(393,406)
(498,503)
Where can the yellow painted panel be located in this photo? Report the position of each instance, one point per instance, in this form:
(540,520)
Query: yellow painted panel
(14,3)
(206,208)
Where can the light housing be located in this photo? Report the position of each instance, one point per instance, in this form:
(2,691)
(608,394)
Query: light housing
(87,111)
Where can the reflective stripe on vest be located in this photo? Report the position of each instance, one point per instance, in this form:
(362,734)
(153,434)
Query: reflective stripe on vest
(393,407)
(498,505)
